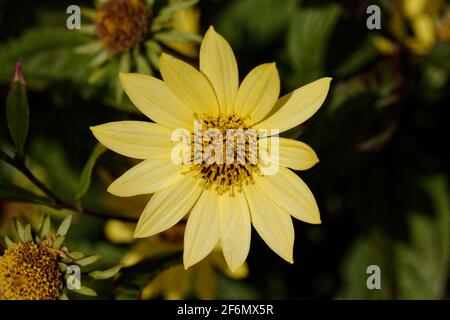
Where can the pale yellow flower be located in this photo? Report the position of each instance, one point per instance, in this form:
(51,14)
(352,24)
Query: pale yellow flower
(413,23)
(222,205)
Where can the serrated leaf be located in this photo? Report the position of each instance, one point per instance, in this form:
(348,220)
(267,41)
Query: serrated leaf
(86,174)
(105,274)
(64,226)
(18,112)
(132,280)
(88,260)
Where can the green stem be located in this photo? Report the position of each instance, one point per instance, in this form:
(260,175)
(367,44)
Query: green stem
(57,202)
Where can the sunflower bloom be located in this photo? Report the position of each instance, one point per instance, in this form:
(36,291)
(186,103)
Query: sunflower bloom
(222,200)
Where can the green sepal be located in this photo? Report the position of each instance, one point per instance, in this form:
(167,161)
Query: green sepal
(88,260)
(105,274)
(64,226)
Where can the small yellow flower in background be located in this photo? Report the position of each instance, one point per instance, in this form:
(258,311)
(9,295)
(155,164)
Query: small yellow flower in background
(129,35)
(187,21)
(222,201)
(173,283)
(414,24)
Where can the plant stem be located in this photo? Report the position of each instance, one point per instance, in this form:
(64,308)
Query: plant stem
(57,202)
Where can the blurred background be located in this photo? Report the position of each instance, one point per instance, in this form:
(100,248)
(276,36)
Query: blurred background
(382,137)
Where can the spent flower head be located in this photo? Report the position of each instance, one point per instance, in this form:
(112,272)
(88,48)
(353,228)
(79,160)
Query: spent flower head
(39,267)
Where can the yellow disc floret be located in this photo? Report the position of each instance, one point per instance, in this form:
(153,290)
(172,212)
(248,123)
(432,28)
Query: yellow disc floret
(29,272)
(225,176)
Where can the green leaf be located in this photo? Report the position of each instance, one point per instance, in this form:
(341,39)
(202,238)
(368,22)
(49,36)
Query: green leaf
(105,274)
(17,111)
(132,280)
(85,291)
(9,192)
(308,37)
(86,174)
(364,54)
(423,263)
(64,226)
(259,21)
(47,55)
(364,252)
(88,260)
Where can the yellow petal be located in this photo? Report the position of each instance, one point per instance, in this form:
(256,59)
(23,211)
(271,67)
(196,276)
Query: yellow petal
(154,99)
(167,207)
(189,85)
(288,191)
(296,155)
(235,229)
(202,228)
(258,92)
(218,63)
(297,106)
(135,139)
(273,224)
(219,262)
(149,176)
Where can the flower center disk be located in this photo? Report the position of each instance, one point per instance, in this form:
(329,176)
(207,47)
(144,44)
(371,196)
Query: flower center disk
(29,272)
(122,24)
(224,153)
